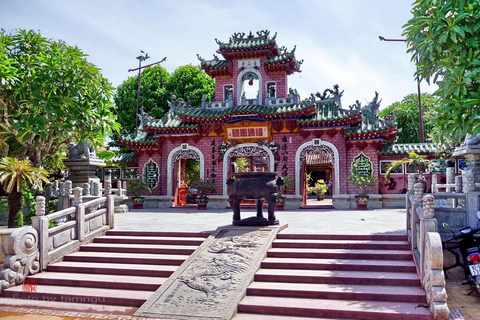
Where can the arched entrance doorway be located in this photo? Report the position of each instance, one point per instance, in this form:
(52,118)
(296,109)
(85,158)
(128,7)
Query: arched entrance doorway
(256,156)
(320,160)
(176,171)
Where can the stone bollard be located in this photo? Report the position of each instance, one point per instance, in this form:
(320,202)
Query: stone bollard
(68,187)
(434,182)
(77,195)
(96,189)
(411,181)
(107,182)
(468,180)
(62,189)
(55,188)
(86,189)
(49,191)
(418,192)
(40,206)
(428,206)
(450,175)
(458,184)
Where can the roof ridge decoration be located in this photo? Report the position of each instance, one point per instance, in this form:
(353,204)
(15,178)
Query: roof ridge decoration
(239,36)
(371,121)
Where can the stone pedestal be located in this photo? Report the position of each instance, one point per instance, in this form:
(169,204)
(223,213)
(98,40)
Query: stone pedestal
(472,154)
(82,171)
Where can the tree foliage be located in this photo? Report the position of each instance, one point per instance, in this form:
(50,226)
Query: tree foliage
(407,116)
(153,95)
(190,83)
(156,88)
(444,37)
(50,96)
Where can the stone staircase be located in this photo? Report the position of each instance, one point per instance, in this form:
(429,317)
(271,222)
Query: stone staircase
(340,277)
(122,268)
(302,277)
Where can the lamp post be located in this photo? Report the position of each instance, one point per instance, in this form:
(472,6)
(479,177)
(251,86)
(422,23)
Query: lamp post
(140,59)
(420,113)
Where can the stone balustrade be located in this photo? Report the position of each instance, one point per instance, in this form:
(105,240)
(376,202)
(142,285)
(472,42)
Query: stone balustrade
(426,245)
(28,250)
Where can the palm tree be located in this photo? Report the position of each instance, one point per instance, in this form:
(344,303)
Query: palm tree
(421,163)
(13,174)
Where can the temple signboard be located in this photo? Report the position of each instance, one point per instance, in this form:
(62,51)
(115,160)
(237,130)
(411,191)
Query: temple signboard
(250,63)
(247,131)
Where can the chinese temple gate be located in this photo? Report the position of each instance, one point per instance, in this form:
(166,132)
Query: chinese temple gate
(270,127)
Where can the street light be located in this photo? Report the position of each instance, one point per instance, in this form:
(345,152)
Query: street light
(140,59)
(420,113)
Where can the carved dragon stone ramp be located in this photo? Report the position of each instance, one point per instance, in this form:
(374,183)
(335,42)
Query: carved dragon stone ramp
(213,280)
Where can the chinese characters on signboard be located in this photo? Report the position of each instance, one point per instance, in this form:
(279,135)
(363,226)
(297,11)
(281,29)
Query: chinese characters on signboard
(213,175)
(249,132)
(363,166)
(284,155)
(250,63)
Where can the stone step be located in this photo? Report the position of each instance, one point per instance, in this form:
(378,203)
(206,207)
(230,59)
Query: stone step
(249,316)
(191,241)
(371,237)
(131,298)
(340,254)
(146,270)
(340,264)
(341,244)
(336,277)
(138,248)
(126,258)
(158,234)
(338,291)
(98,281)
(349,309)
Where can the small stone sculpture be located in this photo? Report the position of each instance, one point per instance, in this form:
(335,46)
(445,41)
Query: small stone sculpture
(81,150)
(470,140)
(411,181)
(428,206)
(418,192)
(40,206)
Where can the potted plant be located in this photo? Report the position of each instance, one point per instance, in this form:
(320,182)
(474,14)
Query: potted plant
(421,163)
(319,188)
(363,182)
(280,196)
(136,188)
(202,188)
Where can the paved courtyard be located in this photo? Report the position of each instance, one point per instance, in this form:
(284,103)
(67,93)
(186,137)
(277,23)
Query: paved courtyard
(299,221)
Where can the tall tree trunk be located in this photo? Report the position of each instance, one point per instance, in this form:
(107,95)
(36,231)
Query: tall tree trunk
(14,206)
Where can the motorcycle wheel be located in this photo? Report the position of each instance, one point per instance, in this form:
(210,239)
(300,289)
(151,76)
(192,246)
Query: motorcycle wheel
(476,284)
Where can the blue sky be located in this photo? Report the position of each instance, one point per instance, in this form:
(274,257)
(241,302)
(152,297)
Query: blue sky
(338,39)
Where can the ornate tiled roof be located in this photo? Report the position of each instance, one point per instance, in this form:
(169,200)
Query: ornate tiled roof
(125,158)
(138,139)
(216,67)
(341,116)
(260,111)
(238,42)
(285,61)
(404,149)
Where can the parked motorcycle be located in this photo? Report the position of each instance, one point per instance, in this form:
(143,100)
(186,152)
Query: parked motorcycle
(468,241)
